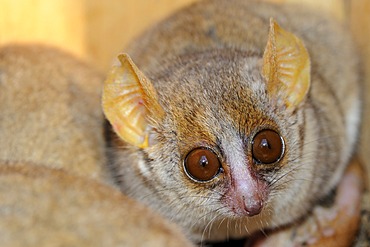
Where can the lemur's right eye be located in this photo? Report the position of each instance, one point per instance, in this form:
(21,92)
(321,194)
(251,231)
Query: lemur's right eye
(202,164)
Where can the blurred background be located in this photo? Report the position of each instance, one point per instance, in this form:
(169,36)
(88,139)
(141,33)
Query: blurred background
(92,29)
(97,30)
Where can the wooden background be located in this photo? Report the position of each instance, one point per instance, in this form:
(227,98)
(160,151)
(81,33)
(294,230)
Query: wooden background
(97,30)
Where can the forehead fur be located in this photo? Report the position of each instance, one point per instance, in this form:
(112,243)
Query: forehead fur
(210,94)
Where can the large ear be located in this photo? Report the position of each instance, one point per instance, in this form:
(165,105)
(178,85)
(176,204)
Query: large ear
(129,101)
(286,67)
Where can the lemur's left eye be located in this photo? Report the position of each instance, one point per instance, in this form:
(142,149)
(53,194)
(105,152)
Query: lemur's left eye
(267,147)
(201,164)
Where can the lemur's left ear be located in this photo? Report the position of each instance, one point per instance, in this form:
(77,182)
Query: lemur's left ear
(286,66)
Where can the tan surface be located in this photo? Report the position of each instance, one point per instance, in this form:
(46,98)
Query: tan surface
(59,22)
(95,30)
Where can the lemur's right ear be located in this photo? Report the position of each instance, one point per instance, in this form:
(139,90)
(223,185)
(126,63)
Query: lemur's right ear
(129,101)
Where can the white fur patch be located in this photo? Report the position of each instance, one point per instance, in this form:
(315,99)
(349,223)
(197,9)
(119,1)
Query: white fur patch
(352,122)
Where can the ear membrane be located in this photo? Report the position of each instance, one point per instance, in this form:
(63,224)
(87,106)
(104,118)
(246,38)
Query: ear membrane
(286,67)
(129,102)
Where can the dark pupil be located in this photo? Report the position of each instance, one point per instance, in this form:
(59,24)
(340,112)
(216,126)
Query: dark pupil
(202,164)
(267,147)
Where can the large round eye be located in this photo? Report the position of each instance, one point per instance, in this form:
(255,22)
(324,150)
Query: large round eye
(201,164)
(267,147)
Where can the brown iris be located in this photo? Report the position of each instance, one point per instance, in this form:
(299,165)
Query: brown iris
(201,164)
(267,147)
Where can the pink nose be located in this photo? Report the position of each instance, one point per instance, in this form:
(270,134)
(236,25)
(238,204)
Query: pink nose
(252,205)
(246,204)
(247,193)
(247,196)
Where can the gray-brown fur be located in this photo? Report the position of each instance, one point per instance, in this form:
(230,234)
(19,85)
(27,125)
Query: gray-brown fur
(205,63)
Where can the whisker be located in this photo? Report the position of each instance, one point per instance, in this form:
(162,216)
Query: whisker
(209,224)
